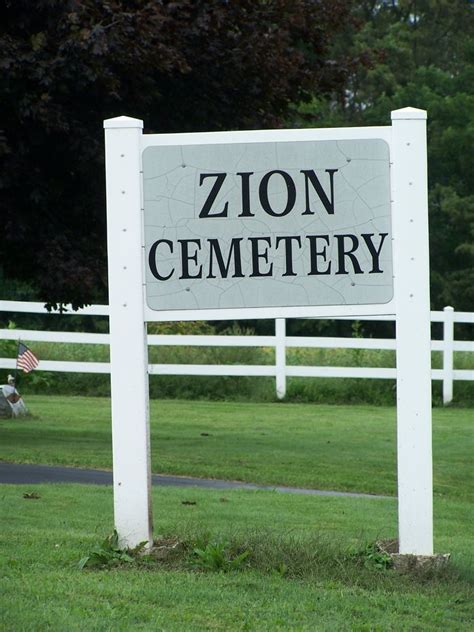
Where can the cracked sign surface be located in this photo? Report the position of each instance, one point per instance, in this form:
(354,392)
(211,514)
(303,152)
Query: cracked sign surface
(267,224)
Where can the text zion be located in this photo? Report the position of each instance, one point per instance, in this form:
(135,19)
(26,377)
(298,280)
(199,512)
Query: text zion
(253,256)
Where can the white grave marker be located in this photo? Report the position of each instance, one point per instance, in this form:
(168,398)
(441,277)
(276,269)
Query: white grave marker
(268,224)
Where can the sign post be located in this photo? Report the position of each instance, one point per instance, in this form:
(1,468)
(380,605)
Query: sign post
(269,224)
(128,341)
(412,291)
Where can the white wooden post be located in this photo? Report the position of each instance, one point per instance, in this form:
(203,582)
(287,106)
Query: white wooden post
(128,342)
(448,353)
(280,357)
(411,272)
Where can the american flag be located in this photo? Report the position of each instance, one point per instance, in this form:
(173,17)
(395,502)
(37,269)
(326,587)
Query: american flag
(26,360)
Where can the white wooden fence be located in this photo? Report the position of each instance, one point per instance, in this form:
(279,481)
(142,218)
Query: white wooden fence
(280,341)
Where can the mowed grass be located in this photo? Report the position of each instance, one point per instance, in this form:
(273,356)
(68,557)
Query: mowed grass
(326,586)
(308,568)
(346,448)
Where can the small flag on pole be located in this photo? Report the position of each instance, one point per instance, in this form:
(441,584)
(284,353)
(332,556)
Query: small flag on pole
(26,360)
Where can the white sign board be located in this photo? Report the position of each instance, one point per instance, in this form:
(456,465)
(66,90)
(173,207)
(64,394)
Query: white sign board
(273,224)
(268,224)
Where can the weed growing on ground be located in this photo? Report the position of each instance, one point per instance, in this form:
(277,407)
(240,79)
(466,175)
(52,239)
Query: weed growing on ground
(110,553)
(287,557)
(372,556)
(218,556)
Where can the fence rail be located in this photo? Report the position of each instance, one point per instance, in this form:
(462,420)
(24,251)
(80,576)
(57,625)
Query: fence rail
(280,342)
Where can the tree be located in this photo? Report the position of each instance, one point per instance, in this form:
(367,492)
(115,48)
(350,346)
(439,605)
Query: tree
(183,65)
(422,55)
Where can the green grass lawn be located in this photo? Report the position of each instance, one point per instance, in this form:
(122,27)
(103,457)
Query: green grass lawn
(308,568)
(323,589)
(349,448)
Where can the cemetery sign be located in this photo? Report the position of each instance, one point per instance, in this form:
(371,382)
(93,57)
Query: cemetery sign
(269,224)
(272,224)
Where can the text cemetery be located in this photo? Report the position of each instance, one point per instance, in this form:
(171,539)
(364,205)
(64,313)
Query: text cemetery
(300,224)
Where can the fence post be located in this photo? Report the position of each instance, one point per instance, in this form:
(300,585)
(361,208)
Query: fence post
(280,357)
(413,320)
(128,341)
(448,354)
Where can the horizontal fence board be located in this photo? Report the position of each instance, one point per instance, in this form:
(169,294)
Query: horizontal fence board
(458,317)
(237,370)
(8,363)
(210,341)
(62,366)
(458,374)
(463,374)
(458,345)
(212,369)
(463,345)
(464,317)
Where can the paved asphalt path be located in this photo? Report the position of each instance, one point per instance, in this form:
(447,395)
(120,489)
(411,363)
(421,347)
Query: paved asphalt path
(23,474)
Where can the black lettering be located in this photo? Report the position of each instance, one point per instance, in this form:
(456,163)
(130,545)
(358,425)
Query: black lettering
(256,255)
(310,176)
(342,253)
(206,209)
(288,241)
(246,193)
(314,253)
(263,193)
(152,259)
(186,257)
(374,253)
(234,249)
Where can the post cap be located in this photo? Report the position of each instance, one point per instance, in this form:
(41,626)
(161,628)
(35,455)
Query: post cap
(123,122)
(409,114)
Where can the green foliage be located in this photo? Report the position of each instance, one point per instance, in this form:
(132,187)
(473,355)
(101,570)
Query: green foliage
(38,382)
(270,552)
(13,289)
(372,556)
(416,56)
(188,328)
(181,66)
(109,553)
(9,348)
(452,239)
(217,556)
